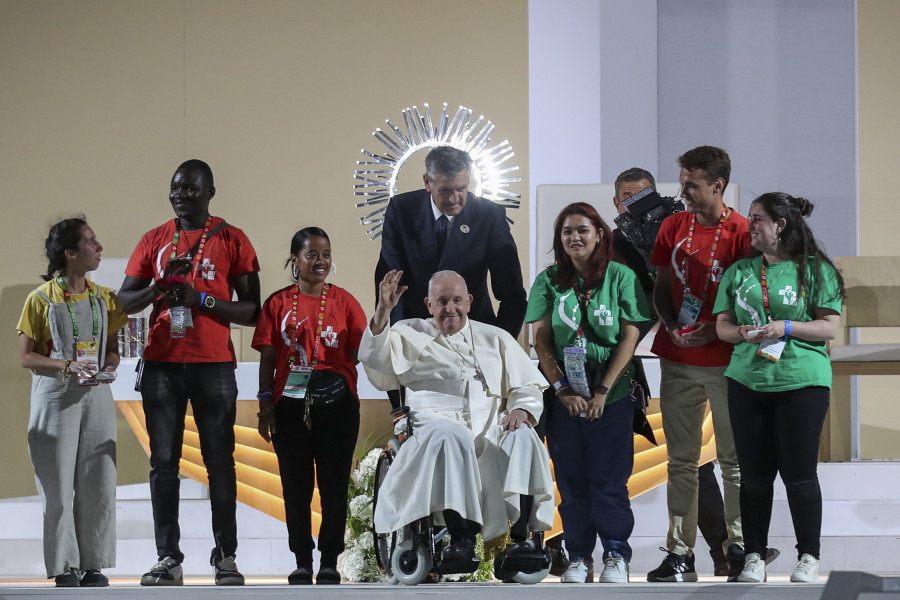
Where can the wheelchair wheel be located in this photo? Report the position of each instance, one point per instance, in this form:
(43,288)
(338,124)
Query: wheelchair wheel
(385,543)
(530,578)
(410,562)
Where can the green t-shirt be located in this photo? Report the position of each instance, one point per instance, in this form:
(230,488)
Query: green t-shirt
(618,297)
(802,363)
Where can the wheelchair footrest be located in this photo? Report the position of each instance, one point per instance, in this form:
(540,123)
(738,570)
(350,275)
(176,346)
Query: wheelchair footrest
(522,562)
(467,565)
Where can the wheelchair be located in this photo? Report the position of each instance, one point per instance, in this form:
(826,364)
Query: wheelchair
(413,554)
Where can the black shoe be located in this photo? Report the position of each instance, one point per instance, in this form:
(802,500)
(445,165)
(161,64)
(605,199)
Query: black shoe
(461,550)
(67,579)
(674,567)
(735,558)
(772,554)
(328,576)
(227,572)
(559,562)
(721,569)
(300,576)
(94,578)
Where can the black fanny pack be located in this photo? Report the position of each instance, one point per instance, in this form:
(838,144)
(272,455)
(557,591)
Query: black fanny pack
(326,387)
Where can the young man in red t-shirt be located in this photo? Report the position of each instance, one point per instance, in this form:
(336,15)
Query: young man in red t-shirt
(194,363)
(692,251)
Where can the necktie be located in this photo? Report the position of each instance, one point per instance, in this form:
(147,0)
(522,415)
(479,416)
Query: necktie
(441,233)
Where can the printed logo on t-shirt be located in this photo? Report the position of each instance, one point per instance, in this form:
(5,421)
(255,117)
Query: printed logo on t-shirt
(286,338)
(715,274)
(207,270)
(330,336)
(604,316)
(789,294)
(717,271)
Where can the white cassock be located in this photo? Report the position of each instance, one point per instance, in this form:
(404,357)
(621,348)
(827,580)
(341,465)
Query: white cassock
(459,457)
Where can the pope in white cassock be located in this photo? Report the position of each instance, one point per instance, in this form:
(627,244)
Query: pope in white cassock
(474,396)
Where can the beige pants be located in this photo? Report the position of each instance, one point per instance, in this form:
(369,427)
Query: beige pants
(684,391)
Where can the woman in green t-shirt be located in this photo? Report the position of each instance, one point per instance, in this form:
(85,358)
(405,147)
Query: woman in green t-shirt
(779,307)
(585,305)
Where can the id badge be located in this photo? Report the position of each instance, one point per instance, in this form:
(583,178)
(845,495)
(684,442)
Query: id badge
(87,350)
(573,360)
(690,309)
(297,382)
(772,349)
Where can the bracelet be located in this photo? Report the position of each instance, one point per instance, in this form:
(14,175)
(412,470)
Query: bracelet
(265,412)
(65,370)
(563,389)
(560,384)
(787,329)
(264,395)
(603,389)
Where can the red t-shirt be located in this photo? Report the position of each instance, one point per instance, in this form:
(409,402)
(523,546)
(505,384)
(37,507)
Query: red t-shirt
(342,329)
(669,252)
(226,254)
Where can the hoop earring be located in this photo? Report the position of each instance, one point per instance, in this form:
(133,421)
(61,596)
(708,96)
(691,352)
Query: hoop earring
(295,271)
(333,269)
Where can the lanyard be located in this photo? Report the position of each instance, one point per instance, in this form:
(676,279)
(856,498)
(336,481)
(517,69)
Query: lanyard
(583,300)
(295,350)
(765,291)
(203,237)
(68,297)
(712,254)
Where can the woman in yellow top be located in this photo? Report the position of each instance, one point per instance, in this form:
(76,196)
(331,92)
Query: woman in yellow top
(67,337)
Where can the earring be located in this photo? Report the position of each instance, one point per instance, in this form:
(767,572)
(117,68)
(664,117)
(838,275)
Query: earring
(295,272)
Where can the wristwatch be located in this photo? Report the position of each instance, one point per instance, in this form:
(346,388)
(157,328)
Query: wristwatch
(209,302)
(603,389)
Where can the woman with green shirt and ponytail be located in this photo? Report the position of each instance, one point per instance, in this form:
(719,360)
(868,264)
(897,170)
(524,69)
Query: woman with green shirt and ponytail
(779,307)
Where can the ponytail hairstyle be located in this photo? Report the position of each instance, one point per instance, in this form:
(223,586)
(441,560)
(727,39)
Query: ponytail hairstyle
(297,243)
(65,235)
(566,276)
(796,240)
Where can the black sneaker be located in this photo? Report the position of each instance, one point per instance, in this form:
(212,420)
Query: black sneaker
(167,571)
(559,562)
(227,573)
(735,558)
(674,567)
(67,579)
(94,578)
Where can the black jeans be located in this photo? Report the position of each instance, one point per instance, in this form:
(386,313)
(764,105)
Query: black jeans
(211,389)
(711,512)
(323,451)
(778,433)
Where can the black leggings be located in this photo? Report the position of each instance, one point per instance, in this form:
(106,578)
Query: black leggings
(778,433)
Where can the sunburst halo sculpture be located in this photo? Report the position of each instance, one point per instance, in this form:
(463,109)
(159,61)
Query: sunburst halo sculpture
(379,172)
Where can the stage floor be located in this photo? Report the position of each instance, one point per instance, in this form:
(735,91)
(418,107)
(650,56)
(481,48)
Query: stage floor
(708,588)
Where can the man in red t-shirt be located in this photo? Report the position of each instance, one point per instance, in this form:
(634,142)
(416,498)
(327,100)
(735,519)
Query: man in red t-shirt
(692,251)
(192,265)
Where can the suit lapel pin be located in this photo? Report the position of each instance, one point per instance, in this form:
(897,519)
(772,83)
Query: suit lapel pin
(464,228)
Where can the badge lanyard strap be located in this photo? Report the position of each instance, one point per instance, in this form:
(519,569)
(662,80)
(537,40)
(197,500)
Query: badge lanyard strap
(583,300)
(203,238)
(712,254)
(68,297)
(765,291)
(294,357)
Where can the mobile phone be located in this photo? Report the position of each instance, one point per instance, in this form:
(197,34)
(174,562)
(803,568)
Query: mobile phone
(106,376)
(687,329)
(754,333)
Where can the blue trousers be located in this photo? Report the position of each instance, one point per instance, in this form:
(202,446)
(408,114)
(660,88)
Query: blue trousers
(593,461)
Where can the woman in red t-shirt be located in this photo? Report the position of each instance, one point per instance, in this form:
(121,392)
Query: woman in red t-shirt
(308,335)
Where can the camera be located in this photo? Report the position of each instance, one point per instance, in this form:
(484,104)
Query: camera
(643,216)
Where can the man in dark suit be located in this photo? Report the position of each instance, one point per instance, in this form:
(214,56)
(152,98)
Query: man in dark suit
(446,227)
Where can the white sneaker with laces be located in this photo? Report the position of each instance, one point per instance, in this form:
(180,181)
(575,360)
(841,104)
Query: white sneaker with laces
(754,569)
(615,570)
(806,571)
(576,573)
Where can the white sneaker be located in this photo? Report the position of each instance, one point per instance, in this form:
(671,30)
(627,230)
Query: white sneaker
(806,571)
(577,572)
(754,569)
(615,570)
